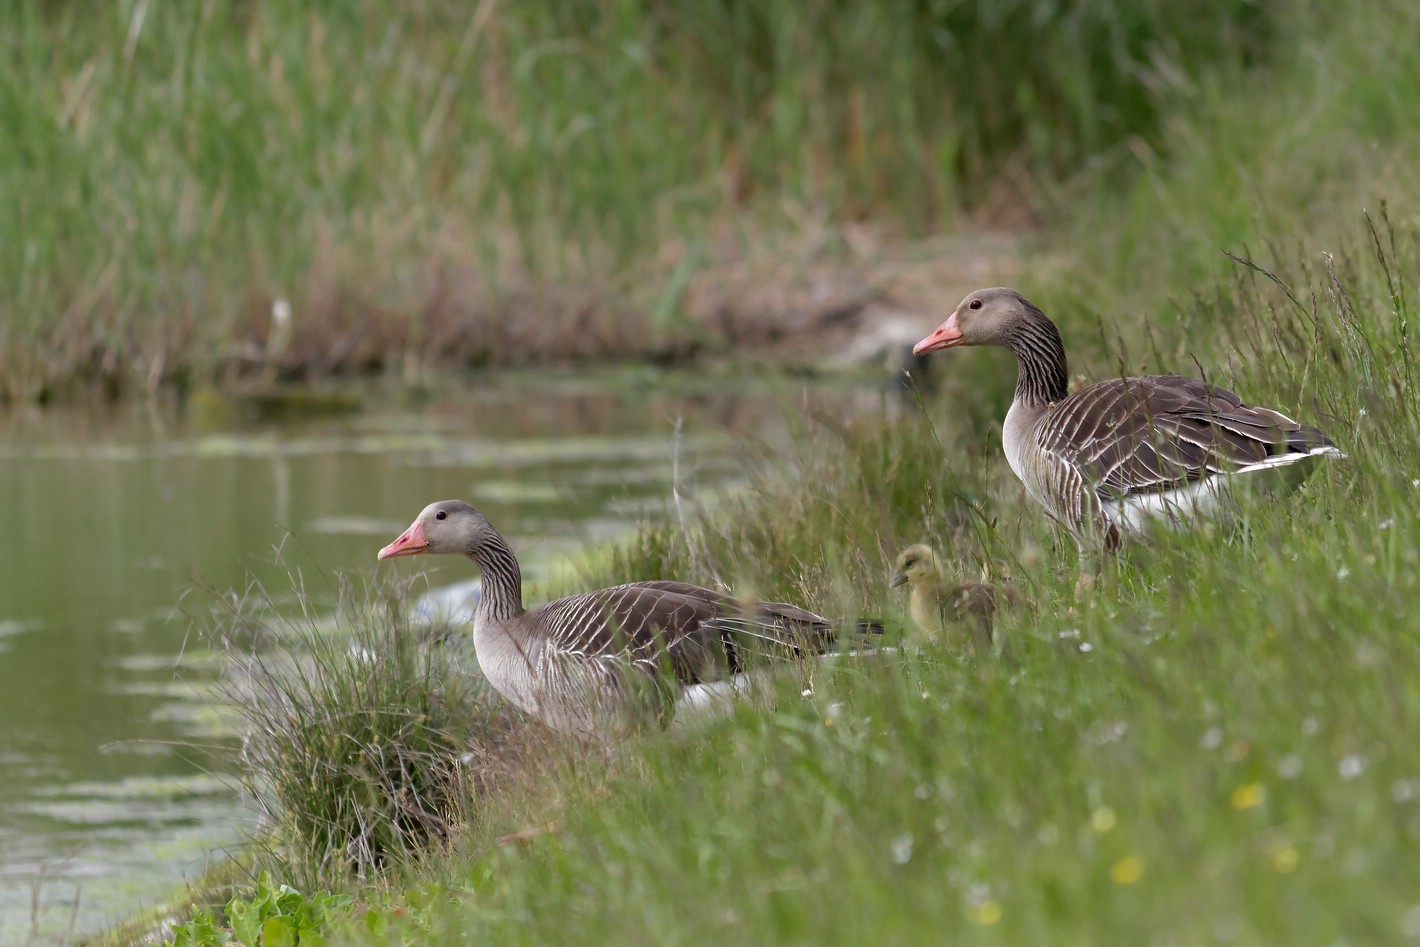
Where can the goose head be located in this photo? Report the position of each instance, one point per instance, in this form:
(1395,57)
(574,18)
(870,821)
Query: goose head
(915,565)
(985,317)
(448,527)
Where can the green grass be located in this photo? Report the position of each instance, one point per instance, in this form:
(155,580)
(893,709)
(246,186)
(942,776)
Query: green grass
(423,178)
(1278,166)
(1218,747)
(278,914)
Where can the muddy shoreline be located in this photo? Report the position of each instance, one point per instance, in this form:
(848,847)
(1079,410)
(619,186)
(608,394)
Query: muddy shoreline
(805,309)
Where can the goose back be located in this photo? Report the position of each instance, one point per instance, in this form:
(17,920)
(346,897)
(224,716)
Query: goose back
(631,648)
(1127,447)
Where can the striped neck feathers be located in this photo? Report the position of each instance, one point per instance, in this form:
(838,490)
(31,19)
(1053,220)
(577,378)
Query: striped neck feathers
(1040,355)
(502,594)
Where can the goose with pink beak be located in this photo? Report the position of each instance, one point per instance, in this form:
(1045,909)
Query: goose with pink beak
(1117,456)
(594,663)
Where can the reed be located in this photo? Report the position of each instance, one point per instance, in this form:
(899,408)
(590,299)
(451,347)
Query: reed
(434,182)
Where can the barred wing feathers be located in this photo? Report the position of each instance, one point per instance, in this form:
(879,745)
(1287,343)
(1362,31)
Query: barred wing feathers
(691,633)
(1163,432)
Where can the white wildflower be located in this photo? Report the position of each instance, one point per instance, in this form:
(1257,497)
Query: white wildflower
(1410,921)
(1351,766)
(1405,790)
(902,849)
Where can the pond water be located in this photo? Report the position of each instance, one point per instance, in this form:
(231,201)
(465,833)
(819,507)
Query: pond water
(117,528)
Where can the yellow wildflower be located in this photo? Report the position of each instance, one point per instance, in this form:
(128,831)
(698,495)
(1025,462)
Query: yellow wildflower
(1126,871)
(986,913)
(1249,795)
(1284,859)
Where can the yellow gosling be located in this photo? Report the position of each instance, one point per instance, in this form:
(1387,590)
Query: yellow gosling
(940,609)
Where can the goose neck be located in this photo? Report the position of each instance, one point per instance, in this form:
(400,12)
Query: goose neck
(1041,378)
(502,594)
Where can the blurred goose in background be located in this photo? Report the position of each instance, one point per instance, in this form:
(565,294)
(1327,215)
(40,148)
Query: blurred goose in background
(939,607)
(589,664)
(1119,454)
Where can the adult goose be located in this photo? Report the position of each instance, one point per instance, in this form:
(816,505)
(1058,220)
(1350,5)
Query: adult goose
(1118,454)
(939,607)
(592,663)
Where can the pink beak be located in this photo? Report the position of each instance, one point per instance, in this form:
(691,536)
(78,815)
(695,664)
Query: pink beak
(945,337)
(410,543)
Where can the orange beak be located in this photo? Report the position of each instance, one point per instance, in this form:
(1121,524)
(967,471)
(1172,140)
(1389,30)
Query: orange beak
(945,337)
(410,543)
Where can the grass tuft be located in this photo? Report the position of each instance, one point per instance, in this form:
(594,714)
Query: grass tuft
(365,739)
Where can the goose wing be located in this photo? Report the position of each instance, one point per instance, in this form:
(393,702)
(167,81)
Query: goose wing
(1160,432)
(696,634)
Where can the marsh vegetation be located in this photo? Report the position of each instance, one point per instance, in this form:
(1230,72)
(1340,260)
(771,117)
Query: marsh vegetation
(1217,746)
(429,183)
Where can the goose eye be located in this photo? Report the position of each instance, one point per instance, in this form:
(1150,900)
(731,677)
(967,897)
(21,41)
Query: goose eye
(908,564)
(975,304)
(441,515)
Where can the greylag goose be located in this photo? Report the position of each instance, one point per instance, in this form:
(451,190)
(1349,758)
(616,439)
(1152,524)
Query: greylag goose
(1119,454)
(938,607)
(586,663)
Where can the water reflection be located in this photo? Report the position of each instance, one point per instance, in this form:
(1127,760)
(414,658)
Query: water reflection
(118,525)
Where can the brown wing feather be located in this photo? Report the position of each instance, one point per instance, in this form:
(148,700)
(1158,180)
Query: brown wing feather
(695,633)
(1158,432)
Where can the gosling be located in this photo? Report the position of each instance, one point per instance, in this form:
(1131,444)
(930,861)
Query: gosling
(940,610)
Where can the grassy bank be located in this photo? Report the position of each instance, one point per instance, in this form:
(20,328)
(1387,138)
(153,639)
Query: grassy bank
(433,182)
(1219,747)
